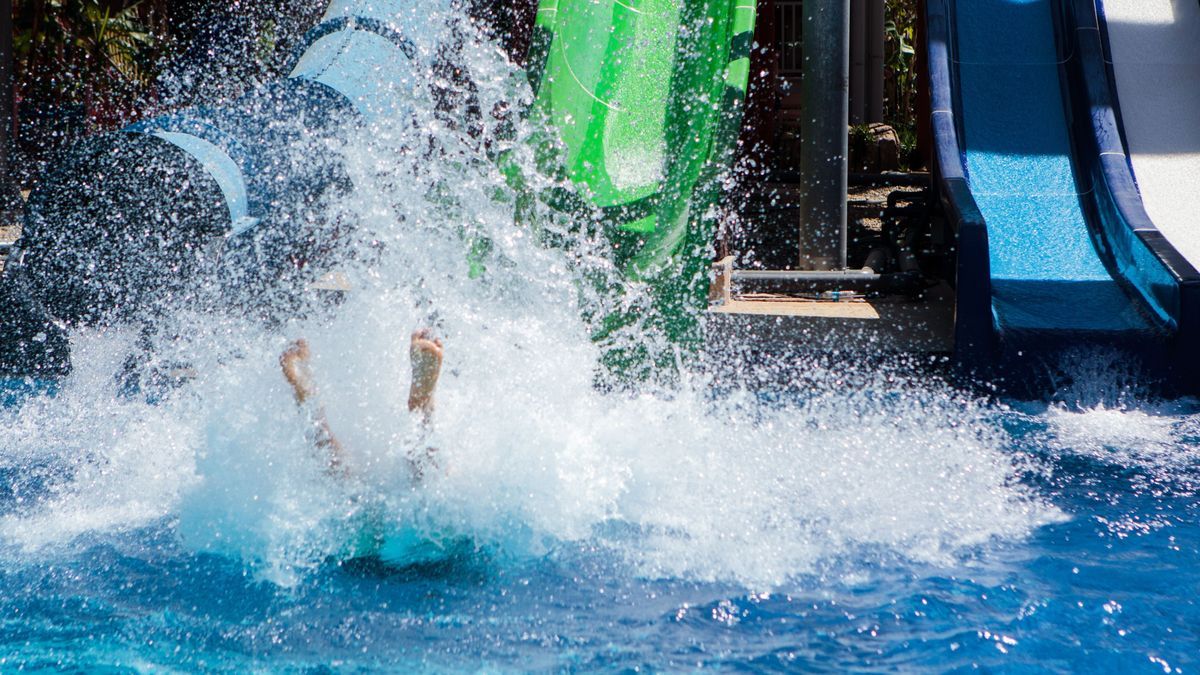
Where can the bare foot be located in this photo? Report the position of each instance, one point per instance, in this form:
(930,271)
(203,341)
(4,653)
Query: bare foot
(294,362)
(425,353)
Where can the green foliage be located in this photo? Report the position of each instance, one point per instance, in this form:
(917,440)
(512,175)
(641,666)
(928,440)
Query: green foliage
(861,133)
(901,85)
(93,54)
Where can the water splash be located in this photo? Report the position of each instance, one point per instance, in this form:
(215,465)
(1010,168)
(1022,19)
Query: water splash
(1108,410)
(697,482)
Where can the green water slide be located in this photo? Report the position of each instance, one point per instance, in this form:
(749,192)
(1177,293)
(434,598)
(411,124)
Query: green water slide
(646,99)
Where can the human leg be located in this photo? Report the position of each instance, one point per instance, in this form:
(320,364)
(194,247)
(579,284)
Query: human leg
(296,370)
(425,354)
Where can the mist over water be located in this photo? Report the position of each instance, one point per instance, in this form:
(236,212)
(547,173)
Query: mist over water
(708,481)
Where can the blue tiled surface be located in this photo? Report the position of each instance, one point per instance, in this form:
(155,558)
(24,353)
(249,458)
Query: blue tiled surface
(1046,272)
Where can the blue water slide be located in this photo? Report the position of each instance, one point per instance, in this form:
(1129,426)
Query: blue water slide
(1033,270)
(1144,258)
(361,50)
(357,59)
(124,220)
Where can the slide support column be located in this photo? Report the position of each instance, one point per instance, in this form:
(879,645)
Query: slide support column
(825,140)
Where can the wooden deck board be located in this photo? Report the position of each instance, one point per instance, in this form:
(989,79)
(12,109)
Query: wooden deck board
(892,324)
(800,308)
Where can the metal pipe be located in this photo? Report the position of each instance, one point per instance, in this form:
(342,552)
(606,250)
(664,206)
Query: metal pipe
(876,259)
(824,141)
(817,276)
(800,282)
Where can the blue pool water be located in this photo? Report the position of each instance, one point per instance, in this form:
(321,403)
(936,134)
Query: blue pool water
(1105,580)
(795,514)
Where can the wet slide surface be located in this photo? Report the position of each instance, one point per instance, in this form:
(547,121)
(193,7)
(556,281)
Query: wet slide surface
(1046,273)
(1155,52)
(646,110)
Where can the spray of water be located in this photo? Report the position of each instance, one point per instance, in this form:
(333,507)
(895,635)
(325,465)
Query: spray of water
(1107,409)
(1114,440)
(699,481)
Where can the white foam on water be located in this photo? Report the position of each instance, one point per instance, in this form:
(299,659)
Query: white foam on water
(1148,435)
(126,461)
(1120,440)
(689,483)
(1107,412)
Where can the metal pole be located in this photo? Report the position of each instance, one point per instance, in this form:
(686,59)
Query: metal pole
(824,141)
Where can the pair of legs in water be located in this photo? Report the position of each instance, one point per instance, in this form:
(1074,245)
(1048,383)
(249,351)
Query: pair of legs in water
(425,354)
